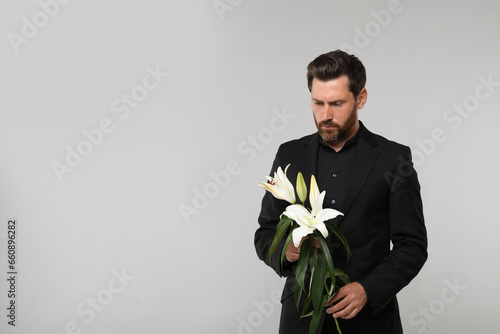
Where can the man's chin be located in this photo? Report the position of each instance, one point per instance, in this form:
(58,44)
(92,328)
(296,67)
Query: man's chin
(330,139)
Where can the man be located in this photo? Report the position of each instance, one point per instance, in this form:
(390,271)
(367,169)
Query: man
(370,180)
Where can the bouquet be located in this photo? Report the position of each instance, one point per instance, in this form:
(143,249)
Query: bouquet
(297,222)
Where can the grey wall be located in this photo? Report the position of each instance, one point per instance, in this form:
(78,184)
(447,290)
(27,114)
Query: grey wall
(100,158)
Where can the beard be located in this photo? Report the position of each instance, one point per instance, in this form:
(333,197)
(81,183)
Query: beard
(340,131)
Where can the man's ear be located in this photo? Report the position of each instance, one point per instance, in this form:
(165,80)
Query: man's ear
(361,100)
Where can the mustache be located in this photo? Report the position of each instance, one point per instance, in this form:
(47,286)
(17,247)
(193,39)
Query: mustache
(328,123)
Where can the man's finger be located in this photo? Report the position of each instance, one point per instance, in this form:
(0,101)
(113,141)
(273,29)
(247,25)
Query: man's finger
(338,296)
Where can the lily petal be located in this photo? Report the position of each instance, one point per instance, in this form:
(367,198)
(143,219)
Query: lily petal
(320,226)
(285,183)
(276,191)
(327,214)
(298,213)
(299,233)
(280,187)
(318,205)
(270,179)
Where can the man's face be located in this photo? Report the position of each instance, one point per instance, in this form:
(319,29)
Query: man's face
(335,110)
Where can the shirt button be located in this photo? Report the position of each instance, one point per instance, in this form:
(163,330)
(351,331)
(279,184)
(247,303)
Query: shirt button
(334,175)
(333,201)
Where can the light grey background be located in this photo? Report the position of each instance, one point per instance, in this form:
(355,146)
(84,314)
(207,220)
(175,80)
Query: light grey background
(233,66)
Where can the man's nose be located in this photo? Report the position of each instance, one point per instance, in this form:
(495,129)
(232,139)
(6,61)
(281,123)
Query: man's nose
(327,112)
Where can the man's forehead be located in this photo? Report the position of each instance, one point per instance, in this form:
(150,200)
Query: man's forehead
(342,80)
(331,89)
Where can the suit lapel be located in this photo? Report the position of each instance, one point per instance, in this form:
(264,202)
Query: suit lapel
(310,162)
(366,155)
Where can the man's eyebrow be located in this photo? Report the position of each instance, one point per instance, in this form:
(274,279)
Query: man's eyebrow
(332,101)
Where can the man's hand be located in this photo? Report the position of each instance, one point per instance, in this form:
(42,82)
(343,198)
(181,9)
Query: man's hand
(350,299)
(292,252)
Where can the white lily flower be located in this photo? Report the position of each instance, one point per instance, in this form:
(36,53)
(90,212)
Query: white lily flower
(280,186)
(309,221)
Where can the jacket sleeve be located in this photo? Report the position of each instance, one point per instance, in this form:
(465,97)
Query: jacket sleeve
(408,236)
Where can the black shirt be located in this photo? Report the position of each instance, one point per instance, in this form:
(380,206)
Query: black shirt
(334,171)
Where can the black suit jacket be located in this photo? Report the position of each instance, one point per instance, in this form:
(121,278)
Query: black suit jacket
(382,205)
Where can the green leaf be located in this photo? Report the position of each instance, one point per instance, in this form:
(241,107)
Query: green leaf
(327,255)
(301,188)
(285,246)
(301,269)
(317,282)
(329,285)
(342,275)
(281,229)
(333,227)
(330,297)
(306,305)
(316,316)
(306,315)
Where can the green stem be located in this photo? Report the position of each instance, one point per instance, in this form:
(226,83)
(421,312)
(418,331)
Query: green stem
(338,327)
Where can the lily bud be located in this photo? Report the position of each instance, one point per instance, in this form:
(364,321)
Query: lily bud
(301,187)
(314,191)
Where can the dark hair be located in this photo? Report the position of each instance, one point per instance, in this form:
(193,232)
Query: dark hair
(334,64)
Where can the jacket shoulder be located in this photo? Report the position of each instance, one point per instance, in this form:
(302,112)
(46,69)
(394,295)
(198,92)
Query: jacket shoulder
(387,145)
(295,143)
(389,150)
(384,142)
